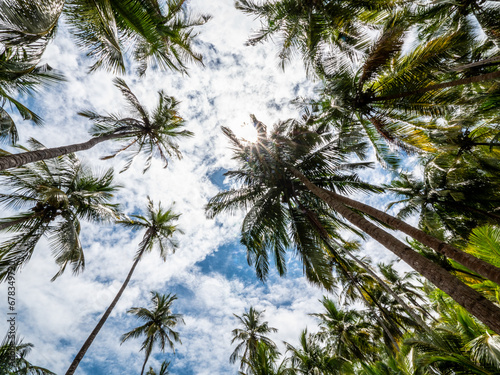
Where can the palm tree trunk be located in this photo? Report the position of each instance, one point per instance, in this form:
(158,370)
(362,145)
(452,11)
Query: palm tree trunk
(16,160)
(439,86)
(92,336)
(465,296)
(483,268)
(144,364)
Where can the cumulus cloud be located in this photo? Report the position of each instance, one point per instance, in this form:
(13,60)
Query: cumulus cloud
(237,80)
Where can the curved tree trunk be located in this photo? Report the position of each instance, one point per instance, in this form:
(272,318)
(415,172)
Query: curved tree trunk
(483,268)
(144,364)
(93,334)
(465,296)
(16,160)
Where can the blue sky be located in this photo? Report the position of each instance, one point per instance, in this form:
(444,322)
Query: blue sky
(209,272)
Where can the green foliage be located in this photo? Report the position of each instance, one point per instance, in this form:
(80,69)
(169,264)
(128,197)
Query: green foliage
(282,213)
(252,334)
(159,322)
(58,193)
(151,133)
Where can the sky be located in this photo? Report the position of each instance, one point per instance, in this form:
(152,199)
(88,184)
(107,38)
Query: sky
(208,272)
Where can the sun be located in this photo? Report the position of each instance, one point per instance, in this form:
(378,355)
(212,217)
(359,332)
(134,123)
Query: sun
(246,132)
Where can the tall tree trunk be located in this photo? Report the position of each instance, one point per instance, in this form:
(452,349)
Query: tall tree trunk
(16,160)
(483,268)
(144,364)
(464,81)
(465,296)
(92,336)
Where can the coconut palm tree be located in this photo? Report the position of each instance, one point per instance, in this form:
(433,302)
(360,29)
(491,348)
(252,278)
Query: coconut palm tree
(458,343)
(13,360)
(389,92)
(55,195)
(348,333)
(151,133)
(445,16)
(313,358)
(154,32)
(158,323)
(163,369)
(254,331)
(263,362)
(323,32)
(294,162)
(159,228)
(454,192)
(21,74)
(283,207)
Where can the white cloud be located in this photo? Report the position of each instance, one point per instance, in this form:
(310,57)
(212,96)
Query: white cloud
(236,81)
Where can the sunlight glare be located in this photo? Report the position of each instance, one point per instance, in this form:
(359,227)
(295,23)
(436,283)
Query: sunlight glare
(246,132)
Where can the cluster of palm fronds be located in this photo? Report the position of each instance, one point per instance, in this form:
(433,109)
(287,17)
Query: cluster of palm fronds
(49,189)
(398,78)
(156,33)
(374,334)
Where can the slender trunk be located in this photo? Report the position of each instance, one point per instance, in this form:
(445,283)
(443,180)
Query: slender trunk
(483,268)
(465,296)
(144,364)
(92,336)
(439,86)
(16,160)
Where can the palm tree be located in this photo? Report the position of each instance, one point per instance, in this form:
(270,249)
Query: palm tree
(57,193)
(21,75)
(106,29)
(159,228)
(458,343)
(454,192)
(158,324)
(347,332)
(163,369)
(263,362)
(313,358)
(281,206)
(295,162)
(323,32)
(445,16)
(13,360)
(254,331)
(143,132)
(389,92)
